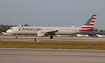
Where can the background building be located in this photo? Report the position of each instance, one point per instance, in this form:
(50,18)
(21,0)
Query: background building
(3,27)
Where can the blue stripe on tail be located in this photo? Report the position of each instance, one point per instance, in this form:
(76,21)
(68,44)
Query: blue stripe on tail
(88,22)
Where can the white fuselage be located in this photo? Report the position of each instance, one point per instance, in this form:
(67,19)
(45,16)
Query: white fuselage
(35,30)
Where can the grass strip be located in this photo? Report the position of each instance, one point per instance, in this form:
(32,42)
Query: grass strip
(53,45)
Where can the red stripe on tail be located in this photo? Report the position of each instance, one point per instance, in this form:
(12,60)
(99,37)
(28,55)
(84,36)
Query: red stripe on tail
(88,27)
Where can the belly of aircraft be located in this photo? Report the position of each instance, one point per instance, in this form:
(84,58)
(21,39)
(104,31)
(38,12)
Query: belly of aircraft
(66,32)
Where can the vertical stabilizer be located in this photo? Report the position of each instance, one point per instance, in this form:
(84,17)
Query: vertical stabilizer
(88,26)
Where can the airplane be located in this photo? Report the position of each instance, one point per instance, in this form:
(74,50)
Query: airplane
(45,31)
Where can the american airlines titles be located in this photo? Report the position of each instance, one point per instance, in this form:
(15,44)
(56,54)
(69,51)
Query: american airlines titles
(31,29)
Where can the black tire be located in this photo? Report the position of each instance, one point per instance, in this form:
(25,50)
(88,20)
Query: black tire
(51,37)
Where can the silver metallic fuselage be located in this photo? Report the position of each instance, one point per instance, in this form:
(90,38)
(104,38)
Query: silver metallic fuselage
(35,30)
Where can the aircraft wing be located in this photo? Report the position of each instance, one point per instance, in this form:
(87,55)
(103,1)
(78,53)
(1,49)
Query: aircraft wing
(94,32)
(47,32)
(53,32)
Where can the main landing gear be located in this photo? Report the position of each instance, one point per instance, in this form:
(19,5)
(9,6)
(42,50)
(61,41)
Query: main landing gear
(51,37)
(16,36)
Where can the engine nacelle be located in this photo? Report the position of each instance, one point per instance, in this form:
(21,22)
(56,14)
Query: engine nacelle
(41,34)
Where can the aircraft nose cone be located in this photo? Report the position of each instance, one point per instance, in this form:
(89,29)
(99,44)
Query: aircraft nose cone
(8,31)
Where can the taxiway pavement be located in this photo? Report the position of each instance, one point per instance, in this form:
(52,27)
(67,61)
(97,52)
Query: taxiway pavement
(17,55)
(47,39)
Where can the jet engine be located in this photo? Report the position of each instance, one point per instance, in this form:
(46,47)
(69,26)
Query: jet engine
(41,34)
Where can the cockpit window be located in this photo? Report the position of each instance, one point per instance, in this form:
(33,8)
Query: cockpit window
(11,28)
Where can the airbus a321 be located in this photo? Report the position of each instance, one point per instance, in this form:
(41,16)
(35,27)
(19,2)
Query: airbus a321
(45,31)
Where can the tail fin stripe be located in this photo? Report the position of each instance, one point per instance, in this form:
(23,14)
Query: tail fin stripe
(93,20)
(91,25)
(88,26)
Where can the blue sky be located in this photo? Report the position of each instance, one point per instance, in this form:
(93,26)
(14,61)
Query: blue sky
(55,12)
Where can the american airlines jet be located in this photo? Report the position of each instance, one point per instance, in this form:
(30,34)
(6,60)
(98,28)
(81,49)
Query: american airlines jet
(45,31)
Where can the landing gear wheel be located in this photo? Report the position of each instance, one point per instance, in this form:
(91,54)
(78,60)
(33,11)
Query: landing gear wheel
(51,37)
